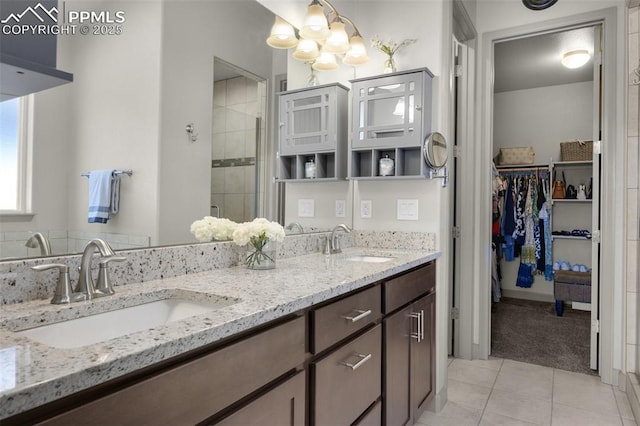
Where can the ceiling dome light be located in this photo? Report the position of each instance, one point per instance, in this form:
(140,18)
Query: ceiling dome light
(325,62)
(315,25)
(538,4)
(575,58)
(338,40)
(282,35)
(307,50)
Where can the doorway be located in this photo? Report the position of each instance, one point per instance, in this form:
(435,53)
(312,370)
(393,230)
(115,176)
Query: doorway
(539,103)
(238,143)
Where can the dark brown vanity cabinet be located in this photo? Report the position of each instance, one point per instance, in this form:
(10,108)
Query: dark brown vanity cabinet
(363,359)
(409,345)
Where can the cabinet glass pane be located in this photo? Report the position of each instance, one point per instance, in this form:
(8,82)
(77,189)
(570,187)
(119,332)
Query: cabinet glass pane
(307,120)
(389,88)
(412,108)
(381,112)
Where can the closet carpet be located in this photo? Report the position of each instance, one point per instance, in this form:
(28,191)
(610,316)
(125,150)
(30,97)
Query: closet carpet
(529,331)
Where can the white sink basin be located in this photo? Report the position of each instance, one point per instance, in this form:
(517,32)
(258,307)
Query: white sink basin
(369,259)
(97,328)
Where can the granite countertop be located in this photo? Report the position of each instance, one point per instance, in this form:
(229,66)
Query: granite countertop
(32,374)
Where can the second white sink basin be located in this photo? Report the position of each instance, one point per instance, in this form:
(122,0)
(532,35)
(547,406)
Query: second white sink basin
(97,328)
(369,259)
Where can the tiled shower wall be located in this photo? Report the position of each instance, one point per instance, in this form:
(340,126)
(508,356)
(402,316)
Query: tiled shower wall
(238,118)
(633,185)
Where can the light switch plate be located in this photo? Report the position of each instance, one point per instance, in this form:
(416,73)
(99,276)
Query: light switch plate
(365,209)
(341,208)
(306,208)
(407,209)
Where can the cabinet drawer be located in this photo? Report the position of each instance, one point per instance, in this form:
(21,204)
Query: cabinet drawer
(282,406)
(373,417)
(338,320)
(194,391)
(343,392)
(401,290)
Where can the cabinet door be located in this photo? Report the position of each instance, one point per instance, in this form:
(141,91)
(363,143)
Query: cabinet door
(389,111)
(422,354)
(284,405)
(308,121)
(398,369)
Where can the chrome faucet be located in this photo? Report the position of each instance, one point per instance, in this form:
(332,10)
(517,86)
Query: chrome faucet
(295,225)
(333,242)
(38,239)
(85,281)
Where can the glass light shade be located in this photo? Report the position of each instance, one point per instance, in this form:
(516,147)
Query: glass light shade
(315,25)
(325,62)
(282,35)
(575,58)
(307,50)
(338,40)
(357,54)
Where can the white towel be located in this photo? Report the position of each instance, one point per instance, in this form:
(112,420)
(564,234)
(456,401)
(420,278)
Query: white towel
(115,194)
(100,195)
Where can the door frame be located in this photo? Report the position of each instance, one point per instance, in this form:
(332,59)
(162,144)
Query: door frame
(479,178)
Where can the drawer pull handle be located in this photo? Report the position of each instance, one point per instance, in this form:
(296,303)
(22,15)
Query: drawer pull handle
(419,335)
(363,359)
(361,314)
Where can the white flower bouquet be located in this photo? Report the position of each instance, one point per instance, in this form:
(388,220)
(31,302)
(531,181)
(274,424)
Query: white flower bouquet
(390,48)
(259,233)
(212,228)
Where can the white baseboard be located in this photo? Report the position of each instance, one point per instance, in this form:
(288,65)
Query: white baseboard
(527,295)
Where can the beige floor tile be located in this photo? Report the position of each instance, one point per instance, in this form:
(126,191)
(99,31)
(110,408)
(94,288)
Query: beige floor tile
(493,419)
(474,396)
(563,415)
(629,422)
(526,370)
(451,415)
(582,380)
(491,363)
(584,394)
(467,372)
(526,409)
(526,386)
(623,404)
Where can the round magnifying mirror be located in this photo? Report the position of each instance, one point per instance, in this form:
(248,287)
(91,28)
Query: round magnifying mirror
(435,150)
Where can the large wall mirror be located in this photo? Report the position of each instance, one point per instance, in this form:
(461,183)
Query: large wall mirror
(132,97)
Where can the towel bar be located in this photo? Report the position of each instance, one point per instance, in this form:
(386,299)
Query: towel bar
(128,172)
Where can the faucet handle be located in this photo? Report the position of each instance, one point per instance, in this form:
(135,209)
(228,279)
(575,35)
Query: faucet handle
(104,286)
(63,293)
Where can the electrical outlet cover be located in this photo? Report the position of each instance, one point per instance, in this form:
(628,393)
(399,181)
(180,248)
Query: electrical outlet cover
(306,208)
(341,208)
(365,209)
(407,209)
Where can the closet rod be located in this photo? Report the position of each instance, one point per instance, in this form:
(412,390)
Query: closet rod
(523,169)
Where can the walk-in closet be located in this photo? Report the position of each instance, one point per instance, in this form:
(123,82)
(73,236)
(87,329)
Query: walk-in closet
(546,180)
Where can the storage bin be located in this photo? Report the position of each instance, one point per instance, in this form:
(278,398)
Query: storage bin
(570,286)
(576,151)
(515,156)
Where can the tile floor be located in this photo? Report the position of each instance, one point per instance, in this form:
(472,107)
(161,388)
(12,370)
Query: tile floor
(505,392)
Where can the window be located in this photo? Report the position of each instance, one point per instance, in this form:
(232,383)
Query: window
(15,156)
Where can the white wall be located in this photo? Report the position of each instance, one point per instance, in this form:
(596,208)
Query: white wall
(192,36)
(542,118)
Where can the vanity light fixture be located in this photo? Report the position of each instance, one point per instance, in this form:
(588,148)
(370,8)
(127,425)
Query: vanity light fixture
(316,31)
(575,58)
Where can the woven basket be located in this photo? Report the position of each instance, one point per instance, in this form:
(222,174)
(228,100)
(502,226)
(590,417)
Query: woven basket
(576,151)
